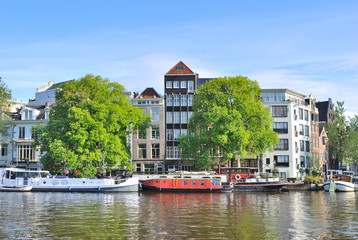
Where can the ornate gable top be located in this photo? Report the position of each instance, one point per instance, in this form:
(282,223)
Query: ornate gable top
(180,68)
(149,93)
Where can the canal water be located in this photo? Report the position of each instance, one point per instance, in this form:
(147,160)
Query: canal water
(147,215)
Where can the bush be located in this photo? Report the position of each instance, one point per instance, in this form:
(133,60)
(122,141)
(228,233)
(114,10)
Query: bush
(312,179)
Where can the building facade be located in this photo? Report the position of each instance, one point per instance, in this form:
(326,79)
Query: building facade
(291,117)
(148,147)
(315,133)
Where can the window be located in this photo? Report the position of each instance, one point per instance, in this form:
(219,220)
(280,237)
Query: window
(183,84)
(149,168)
(190,114)
(193,183)
(176,84)
(190,100)
(4,149)
(184,117)
(281,160)
(155,132)
(142,151)
(138,167)
(169,100)
(300,113)
(155,114)
(191,86)
(302,145)
(180,67)
(169,134)
(279,111)
(142,134)
(306,115)
(155,150)
(169,117)
(282,144)
(316,118)
(280,127)
(47,114)
(21,132)
(267,161)
(307,146)
(323,140)
(301,130)
(176,117)
(176,100)
(184,131)
(176,134)
(185,183)
(169,84)
(184,101)
(302,159)
(307,130)
(201,183)
(25,152)
(176,152)
(169,152)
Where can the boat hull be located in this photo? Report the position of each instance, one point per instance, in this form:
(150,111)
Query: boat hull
(16,189)
(187,190)
(260,187)
(340,186)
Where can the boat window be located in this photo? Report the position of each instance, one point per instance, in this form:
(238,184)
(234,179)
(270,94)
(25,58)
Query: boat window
(164,181)
(187,177)
(193,183)
(215,182)
(185,183)
(202,183)
(156,181)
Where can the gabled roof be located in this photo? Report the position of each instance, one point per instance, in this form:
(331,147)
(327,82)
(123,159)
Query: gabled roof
(182,69)
(149,93)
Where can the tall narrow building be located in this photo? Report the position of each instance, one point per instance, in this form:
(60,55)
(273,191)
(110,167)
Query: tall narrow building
(180,84)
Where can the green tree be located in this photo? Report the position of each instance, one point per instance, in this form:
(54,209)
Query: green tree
(89,125)
(5,96)
(229,119)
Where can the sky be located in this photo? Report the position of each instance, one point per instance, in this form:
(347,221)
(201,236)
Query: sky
(304,46)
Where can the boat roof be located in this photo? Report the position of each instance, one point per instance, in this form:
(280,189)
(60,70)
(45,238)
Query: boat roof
(24,170)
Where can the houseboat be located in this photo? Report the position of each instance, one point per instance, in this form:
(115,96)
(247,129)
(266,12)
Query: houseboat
(244,180)
(186,184)
(340,183)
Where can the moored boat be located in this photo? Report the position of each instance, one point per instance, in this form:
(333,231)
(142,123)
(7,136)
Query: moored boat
(186,184)
(340,183)
(257,184)
(17,179)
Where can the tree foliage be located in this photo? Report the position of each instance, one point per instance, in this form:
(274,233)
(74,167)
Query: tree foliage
(89,125)
(229,119)
(5,96)
(343,136)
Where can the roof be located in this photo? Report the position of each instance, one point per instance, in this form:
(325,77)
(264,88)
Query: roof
(180,68)
(201,81)
(149,93)
(283,90)
(323,108)
(58,84)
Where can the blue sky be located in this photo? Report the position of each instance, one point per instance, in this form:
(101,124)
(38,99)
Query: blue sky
(305,46)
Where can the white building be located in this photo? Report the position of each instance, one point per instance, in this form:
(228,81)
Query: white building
(292,123)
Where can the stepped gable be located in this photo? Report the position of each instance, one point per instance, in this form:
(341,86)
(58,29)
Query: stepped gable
(180,68)
(149,93)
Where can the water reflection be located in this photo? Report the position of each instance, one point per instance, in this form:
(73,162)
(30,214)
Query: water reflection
(292,215)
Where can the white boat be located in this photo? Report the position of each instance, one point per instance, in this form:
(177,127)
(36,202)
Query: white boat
(66,184)
(340,183)
(16,179)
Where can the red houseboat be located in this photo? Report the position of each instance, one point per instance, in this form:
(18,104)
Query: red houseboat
(186,184)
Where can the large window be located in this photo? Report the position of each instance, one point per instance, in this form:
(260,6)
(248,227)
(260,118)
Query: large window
(169,152)
(280,127)
(21,132)
(302,145)
(184,117)
(4,149)
(190,100)
(176,152)
(184,101)
(306,115)
(155,114)
(191,86)
(184,131)
(169,117)
(307,146)
(300,113)
(176,117)
(176,100)
(169,134)
(282,144)
(142,134)
(169,100)
(155,150)
(142,151)
(307,130)
(183,84)
(25,152)
(169,84)
(176,134)
(155,132)
(273,96)
(281,160)
(301,130)
(279,111)
(176,84)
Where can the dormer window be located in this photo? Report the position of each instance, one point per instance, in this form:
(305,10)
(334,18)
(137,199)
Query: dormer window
(180,67)
(28,115)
